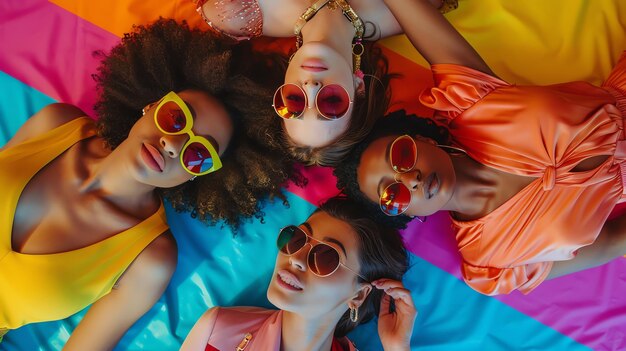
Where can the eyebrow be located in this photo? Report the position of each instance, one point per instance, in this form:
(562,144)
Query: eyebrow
(335,241)
(326,238)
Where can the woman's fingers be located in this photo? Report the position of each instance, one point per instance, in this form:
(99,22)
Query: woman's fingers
(394,290)
(401,295)
(384,284)
(384,305)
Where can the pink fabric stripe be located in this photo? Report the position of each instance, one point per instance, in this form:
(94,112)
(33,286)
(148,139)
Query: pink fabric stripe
(434,241)
(322,185)
(51,49)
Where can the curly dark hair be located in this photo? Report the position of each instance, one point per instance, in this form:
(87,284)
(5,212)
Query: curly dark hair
(396,123)
(382,255)
(169,56)
(367,109)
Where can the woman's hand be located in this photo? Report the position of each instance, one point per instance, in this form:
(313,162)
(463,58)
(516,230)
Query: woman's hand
(395,327)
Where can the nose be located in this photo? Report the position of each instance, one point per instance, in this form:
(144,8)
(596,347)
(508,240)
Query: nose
(311,88)
(298,259)
(412,180)
(172,144)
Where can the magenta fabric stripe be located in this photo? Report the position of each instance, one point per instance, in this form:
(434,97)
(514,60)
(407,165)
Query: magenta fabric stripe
(588,306)
(321,185)
(51,50)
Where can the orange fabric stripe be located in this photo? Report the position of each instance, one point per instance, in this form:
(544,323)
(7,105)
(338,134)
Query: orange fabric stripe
(118,16)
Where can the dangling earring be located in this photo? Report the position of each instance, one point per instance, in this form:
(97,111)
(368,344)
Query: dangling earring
(357,51)
(143,111)
(192,178)
(354,314)
(453,150)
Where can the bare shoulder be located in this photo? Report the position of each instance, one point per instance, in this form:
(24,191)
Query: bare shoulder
(201,332)
(160,256)
(46,119)
(209,317)
(54,115)
(153,268)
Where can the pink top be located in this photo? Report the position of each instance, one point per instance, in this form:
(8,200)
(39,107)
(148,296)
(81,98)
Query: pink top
(541,132)
(233,323)
(236,19)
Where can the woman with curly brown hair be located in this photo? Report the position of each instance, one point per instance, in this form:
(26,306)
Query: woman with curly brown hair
(334,89)
(86,219)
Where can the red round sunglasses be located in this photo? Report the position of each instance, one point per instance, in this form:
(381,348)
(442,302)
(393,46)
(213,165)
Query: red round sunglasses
(332,101)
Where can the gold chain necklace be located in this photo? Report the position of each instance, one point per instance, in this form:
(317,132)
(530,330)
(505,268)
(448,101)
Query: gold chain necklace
(346,9)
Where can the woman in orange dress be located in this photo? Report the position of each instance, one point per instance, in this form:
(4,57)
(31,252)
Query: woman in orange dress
(530,177)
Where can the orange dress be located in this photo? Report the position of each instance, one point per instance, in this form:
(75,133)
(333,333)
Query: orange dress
(541,132)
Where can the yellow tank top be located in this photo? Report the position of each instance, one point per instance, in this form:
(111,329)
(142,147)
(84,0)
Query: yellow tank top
(36,288)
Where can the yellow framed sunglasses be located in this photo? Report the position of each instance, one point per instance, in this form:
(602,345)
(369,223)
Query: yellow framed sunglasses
(173,117)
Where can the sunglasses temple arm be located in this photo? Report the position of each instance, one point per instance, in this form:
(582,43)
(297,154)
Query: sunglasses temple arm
(357,274)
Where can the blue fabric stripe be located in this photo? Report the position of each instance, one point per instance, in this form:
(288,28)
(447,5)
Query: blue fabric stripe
(18,101)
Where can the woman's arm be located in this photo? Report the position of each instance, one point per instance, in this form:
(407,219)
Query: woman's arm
(198,337)
(47,118)
(610,244)
(433,36)
(137,290)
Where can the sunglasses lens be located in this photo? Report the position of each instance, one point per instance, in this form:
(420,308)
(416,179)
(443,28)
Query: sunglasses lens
(323,259)
(403,154)
(197,158)
(333,101)
(170,118)
(289,101)
(290,240)
(395,199)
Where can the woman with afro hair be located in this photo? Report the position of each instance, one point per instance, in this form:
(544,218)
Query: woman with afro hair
(85,199)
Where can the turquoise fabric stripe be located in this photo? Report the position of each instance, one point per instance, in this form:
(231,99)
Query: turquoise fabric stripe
(18,102)
(453,317)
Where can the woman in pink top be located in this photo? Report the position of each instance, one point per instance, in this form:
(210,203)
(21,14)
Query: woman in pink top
(532,175)
(334,89)
(334,271)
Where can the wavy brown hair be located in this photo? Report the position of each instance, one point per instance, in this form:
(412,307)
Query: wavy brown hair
(367,109)
(381,255)
(169,56)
